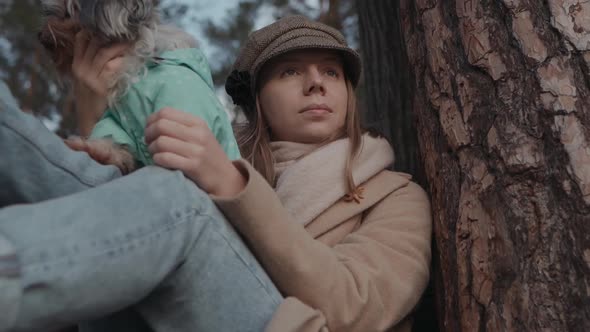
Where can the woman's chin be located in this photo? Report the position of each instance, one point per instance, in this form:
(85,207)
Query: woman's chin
(314,138)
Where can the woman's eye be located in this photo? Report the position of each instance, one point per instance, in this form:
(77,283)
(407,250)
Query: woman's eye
(289,72)
(332,72)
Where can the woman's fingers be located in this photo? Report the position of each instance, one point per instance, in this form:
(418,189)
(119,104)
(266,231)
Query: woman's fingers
(101,151)
(107,54)
(80,44)
(91,51)
(96,66)
(109,72)
(165,127)
(175,115)
(171,161)
(178,140)
(76,143)
(176,146)
(113,66)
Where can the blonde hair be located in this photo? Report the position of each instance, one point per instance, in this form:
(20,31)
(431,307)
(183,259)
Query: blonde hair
(254,139)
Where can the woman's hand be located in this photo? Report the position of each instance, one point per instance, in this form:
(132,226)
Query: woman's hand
(178,140)
(94,70)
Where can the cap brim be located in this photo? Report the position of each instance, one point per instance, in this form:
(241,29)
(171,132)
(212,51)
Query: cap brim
(352,61)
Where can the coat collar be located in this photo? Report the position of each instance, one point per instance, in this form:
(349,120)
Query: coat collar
(312,178)
(376,188)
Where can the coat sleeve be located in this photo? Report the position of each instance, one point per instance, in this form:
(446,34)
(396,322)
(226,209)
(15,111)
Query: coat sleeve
(368,282)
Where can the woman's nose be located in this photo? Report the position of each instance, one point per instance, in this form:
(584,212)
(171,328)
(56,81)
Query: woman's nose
(314,82)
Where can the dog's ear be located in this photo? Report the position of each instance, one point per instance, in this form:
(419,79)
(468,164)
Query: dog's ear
(53,8)
(118,20)
(58,30)
(60,9)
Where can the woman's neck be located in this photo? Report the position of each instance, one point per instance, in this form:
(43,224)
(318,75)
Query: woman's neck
(287,153)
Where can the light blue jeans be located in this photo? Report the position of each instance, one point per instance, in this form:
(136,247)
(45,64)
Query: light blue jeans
(78,243)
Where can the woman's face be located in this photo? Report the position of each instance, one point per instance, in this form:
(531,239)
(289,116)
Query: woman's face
(303,96)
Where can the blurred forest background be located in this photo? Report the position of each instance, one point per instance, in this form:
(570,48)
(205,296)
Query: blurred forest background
(220,28)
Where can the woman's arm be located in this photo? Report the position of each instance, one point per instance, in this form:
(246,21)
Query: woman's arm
(369,281)
(93,70)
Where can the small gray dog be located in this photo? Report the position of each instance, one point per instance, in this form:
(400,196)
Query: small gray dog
(111,21)
(135,21)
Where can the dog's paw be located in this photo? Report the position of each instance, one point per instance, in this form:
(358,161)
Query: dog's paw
(105,152)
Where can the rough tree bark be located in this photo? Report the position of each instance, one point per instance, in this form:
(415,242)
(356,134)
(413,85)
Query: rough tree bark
(502,99)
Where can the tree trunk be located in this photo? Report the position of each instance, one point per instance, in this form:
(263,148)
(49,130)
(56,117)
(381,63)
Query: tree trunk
(387,92)
(502,102)
(330,14)
(387,87)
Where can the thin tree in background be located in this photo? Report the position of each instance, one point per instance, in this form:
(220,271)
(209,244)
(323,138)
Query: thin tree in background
(387,96)
(387,84)
(228,36)
(330,13)
(24,65)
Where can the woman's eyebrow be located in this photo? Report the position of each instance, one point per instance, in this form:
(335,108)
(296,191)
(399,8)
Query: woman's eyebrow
(332,59)
(295,59)
(291,59)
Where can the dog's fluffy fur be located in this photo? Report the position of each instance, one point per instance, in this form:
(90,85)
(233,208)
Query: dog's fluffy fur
(134,21)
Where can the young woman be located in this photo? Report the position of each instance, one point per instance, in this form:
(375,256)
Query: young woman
(344,241)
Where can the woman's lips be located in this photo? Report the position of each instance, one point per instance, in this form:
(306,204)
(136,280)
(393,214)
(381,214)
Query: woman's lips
(316,109)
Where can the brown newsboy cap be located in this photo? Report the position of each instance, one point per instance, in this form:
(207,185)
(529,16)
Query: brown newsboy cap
(287,34)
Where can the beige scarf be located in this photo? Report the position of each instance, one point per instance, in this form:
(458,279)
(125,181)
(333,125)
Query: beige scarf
(310,178)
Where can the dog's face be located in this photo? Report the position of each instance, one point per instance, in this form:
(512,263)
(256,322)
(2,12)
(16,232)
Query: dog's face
(116,20)
(109,20)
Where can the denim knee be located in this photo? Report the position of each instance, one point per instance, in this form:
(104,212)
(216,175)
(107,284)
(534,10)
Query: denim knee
(176,187)
(10,284)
